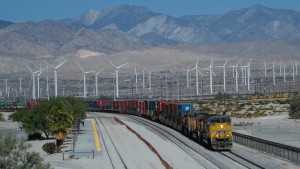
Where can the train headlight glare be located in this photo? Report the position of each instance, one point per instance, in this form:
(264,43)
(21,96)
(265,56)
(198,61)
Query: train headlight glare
(217,135)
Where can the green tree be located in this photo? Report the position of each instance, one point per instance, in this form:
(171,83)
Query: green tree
(220,96)
(1,117)
(14,154)
(60,119)
(78,107)
(295,107)
(22,116)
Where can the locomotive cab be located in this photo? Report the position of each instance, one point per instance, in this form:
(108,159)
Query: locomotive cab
(220,131)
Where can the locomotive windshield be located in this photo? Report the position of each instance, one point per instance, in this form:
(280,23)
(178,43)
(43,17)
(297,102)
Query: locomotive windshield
(220,120)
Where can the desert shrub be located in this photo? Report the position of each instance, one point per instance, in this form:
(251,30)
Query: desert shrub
(259,114)
(295,107)
(250,109)
(49,147)
(220,96)
(261,102)
(15,153)
(249,103)
(205,109)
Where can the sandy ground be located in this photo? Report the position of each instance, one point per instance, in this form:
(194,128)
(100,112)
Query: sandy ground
(278,128)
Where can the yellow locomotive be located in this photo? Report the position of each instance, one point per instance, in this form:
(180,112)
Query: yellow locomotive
(214,130)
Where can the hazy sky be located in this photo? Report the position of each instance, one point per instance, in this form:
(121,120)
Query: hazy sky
(37,10)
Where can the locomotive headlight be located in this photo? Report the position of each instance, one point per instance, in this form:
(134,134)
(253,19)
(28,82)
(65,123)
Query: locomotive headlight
(227,135)
(222,126)
(217,135)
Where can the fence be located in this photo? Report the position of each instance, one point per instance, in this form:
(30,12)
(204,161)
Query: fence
(284,151)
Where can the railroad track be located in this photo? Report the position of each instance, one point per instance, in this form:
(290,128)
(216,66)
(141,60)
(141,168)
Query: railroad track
(105,142)
(241,160)
(182,145)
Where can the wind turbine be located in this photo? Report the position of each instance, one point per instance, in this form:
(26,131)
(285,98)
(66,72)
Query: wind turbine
(265,68)
(273,68)
(283,72)
(187,77)
(55,75)
(96,81)
(144,78)
(33,81)
(296,65)
(38,80)
(117,68)
(20,80)
(235,67)
(83,73)
(248,74)
(197,80)
(135,72)
(224,74)
(6,89)
(210,75)
(293,68)
(149,78)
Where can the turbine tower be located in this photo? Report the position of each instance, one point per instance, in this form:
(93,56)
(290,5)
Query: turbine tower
(248,74)
(265,68)
(144,78)
(273,68)
(38,80)
(187,77)
(235,67)
(197,78)
(117,68)
(136,75)
(83,73)
(224,75)
(149,78)
(55,75)
(96,81)
(210,75)
(283,72)
(33,81)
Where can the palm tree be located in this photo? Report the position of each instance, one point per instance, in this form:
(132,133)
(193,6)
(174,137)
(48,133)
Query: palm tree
(60,119)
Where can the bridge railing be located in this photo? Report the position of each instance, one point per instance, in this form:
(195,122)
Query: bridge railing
(284,151)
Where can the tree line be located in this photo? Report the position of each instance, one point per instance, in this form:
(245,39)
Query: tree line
(55,117)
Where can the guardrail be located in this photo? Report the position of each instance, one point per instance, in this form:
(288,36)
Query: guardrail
(284,151)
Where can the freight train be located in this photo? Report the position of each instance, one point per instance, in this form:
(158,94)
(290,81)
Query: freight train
(11,106)
(211,129)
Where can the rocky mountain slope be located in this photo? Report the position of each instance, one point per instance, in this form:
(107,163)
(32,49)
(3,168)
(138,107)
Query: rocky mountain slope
(134,28)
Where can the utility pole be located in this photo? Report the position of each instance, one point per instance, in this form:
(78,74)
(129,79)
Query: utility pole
(161,85)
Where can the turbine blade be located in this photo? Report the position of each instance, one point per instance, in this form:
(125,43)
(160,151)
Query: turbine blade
(211,63)
(213,72)
(99,72)
(110,62)
(199,72)
(79,66)
(226,62)
(121,65)
(49,64)
(61,64)
(28,68)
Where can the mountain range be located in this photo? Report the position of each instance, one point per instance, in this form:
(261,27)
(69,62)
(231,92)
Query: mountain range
(135,28)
